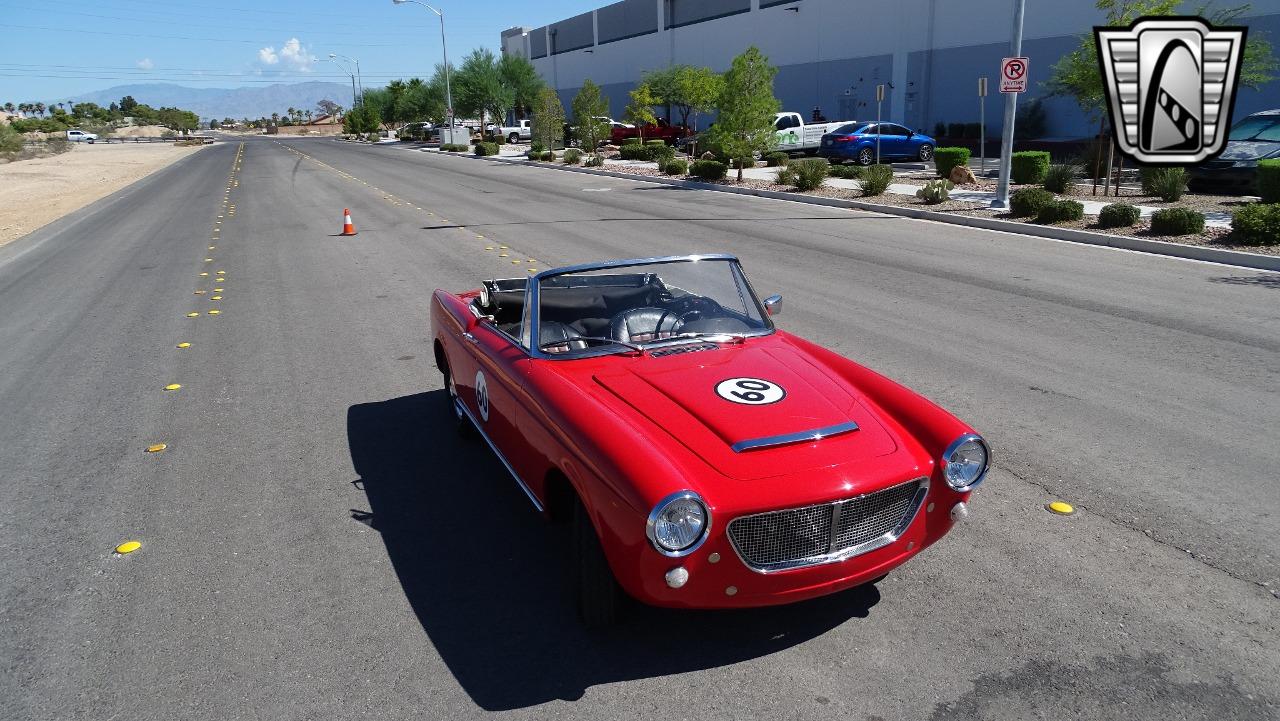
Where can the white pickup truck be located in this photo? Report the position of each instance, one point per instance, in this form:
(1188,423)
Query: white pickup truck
(795,137)
(522,130)
(80,136)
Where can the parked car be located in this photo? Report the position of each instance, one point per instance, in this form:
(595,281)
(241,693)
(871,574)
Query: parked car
(1255,138)
(415,131)
(80,136)
(662,130)
(858,141)
(522,130)
(794,136)
(703,458)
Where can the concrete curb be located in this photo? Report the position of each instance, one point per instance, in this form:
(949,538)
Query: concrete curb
(1154,247)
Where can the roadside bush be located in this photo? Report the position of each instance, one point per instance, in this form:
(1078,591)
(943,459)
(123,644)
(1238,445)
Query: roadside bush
(936,191)
(1257,224)
(1029,166)
(633,151)
(1060,211)
(572,156)
(483,149)
(1027,202)
(595,161)
(533,154)
(1176,221)
(454,148)
(536,146)
(955,130)
(676,166)
(548,156)
(1118,215)
(1060,178)
(848,172)
(947,158)
(631,141)
(1269,180)
(809,173)
(876,179)
(776,159)
(660,154)
(655,142)
(10,139)
(709,169)
(372,137)
(1168,183)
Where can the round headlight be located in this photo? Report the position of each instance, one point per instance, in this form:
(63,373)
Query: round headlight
(965,462)
(679,524)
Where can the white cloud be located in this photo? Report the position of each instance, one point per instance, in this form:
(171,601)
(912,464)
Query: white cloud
(146,64)
(293,55)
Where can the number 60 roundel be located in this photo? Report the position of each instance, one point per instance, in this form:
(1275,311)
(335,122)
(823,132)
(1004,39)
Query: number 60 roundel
(750,391)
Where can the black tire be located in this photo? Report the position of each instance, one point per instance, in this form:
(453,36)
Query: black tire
(866,157)
(926,153)
(596,593)
(513,138)
(463,424)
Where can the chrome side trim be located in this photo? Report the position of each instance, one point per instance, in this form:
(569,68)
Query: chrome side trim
(800,436)
(498,453)
(908,518)
(653,519)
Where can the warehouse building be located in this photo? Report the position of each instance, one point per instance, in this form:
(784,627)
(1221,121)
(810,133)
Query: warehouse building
(831,54)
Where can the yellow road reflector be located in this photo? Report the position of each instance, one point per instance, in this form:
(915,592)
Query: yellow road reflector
(173,386)
(488,247)
(217,290)
(515,262)
(215,297)
(157,447)
(211,247)
(208,260)
(128,547)
(502,255)
(1061,508)
(533,270)
(192,315)
(184,344)
(531,260)
(214,312)
(480,237)
(198,292)
(203,275)
(220,272)
(503,247)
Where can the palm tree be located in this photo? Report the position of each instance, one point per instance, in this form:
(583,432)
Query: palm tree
(40,109)
(8,108)
(23,108)
(275,118)
(308,117)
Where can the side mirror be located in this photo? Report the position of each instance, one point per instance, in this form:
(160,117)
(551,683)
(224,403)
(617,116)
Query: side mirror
(773,304)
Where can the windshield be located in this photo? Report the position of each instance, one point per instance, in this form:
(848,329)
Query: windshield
(627,308)
(850,128)
(1260,128)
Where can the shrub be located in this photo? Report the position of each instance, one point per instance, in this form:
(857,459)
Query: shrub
(1168,183)
(372,137)
(483,149)
(1269,180)
(1029,166)
(955,130)
(548,156)
(776,159)
(709,169)
(1060,178)
(660,154)
(572,156)
(676,166)
(1257,224)
(1119,215)
(935,191)
(784,176)
(498,139)
(973,130)
(1059,211)
(876,179)
(536,146)
(1176,221)
(655,142)
(10,139)
(595,161)
(947,158)
(633,140)
(809,173)
(533,154)
(939,130)
(1027,202)
(848,172)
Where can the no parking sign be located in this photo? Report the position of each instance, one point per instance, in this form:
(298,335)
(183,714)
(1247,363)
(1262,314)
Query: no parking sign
(1013,75)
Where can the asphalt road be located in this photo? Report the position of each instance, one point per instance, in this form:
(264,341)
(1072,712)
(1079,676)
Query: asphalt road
(317,543)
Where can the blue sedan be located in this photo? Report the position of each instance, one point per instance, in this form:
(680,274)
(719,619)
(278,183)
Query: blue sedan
(857,142)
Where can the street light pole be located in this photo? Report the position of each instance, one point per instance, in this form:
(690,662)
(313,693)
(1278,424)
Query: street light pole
(1010,114)
(354,101)
(359,78)
(448,91)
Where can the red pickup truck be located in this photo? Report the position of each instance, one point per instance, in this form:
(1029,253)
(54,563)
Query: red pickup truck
(663,131)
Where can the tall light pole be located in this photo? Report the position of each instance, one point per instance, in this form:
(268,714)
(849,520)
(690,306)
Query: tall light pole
(1010,114)
(354,101)
(359,79)
(448,91)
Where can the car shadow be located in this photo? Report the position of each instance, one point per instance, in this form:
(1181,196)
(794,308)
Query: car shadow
(484,573)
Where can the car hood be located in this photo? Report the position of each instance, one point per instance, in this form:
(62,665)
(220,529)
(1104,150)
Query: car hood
(678,393)
(1248,149)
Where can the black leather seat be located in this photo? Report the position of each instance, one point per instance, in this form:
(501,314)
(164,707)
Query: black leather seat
(549,332)
(641,325)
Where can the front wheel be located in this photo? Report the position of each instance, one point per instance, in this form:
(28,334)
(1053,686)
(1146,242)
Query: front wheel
(926,152)
(513,138)
(866,156)
(463,424)
(598,597)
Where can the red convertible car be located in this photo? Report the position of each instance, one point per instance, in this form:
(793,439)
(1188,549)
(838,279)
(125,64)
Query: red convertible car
(703,458)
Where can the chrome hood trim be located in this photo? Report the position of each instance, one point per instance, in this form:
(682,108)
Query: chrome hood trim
(787,438)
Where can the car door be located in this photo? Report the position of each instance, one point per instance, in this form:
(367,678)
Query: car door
(490,384)
(893,140)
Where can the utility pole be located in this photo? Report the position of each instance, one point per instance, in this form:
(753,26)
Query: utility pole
(982,122)
(879,102)
(1010,114)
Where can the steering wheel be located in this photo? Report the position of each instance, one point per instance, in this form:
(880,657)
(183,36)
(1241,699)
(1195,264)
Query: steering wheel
(695,307)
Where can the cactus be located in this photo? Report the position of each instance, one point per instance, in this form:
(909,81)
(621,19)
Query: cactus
(935,191)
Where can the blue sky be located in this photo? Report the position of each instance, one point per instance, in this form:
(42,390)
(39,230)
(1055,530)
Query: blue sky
(56,50)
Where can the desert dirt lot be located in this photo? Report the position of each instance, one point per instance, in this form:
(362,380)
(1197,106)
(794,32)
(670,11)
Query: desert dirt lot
(37,192)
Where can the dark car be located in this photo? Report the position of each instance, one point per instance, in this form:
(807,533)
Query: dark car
(1255,138)
(857,142)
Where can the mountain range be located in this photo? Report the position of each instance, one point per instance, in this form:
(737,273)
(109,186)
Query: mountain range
(209,103)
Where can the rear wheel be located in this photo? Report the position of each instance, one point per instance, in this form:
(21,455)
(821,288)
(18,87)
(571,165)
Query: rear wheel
(866,156)
(926,152)
(597,594)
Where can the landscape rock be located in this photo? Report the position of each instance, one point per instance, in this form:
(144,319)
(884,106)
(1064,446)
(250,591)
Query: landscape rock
(961,175)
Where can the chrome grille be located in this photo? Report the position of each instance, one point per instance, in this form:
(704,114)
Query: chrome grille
(777,540)
(688,348)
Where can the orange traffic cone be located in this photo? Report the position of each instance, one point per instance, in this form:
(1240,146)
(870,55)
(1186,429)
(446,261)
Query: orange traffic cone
(348,228)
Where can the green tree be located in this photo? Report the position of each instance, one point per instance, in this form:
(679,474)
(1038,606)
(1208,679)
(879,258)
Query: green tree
(663,84)
(8,108)
(421,101)
(39,108)
(127,104)
(747,106)
(479,89)
(548,118)
(640,111)
(588,105)
(519,76)
(327,107)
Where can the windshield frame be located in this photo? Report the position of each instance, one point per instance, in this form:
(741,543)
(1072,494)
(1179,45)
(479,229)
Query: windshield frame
(531,323)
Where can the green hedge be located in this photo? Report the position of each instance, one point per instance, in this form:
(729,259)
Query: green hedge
(1029,166)
(1176,221)
(848,172)
(655,142)
(1119,215)
(1269,180)
(1060,211)
(876,179)
(948,158)
(676,166)
(1027,202)
(633,140)
(709,169)
(1257,224)
(483,149)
